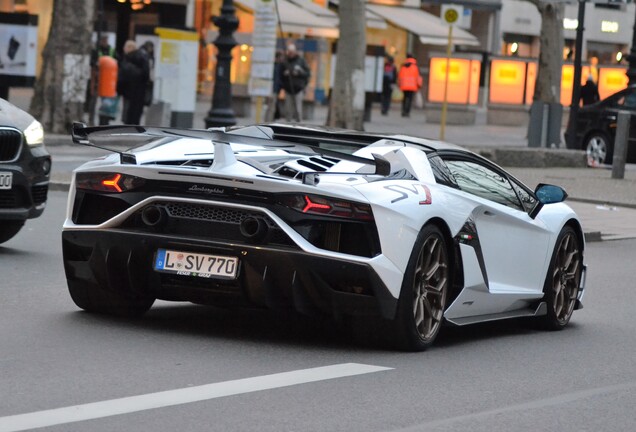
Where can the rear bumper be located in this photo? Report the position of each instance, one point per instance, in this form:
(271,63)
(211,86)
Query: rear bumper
(277,278)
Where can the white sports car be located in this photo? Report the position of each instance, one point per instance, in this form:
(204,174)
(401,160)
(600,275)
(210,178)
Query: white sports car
(414,231)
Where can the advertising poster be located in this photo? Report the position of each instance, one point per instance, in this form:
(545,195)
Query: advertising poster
(18,49)
(264,40)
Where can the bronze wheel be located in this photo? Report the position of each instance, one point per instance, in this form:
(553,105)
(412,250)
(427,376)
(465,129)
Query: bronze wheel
(424,291)
(562,282)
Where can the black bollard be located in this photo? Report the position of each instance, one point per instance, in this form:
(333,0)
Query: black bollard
(620,144)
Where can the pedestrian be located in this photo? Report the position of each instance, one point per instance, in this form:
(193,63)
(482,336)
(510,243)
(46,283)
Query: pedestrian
(102,48)
(148,49)
(273,111)
(388,81)
(132,77)
(107,89)
(589,91)
(278,84)
(294,75)
(409,81)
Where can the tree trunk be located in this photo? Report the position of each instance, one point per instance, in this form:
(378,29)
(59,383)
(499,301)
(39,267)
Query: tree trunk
(60,90)
(347,99)
(548,85)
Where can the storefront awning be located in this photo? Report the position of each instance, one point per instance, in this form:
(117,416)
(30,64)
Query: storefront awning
(430,28)
(486,5)
(373,20)
(295,19)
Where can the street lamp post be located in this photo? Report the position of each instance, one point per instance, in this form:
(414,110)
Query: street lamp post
(570,133)
(221,113)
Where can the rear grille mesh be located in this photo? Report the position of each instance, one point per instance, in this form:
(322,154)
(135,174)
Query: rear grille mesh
(10,141)
(211,213)
(210,222)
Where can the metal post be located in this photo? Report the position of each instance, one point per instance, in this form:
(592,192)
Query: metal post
(631,58)
(544,125)
(221,113)
(442,125)
(570,133)
(620,144)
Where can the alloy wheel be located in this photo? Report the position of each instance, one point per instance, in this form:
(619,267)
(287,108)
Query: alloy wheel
(596,150)
(566,277)
(430,287)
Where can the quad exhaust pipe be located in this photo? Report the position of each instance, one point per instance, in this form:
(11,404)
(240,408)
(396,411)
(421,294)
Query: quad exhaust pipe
(253,229)
(153,216)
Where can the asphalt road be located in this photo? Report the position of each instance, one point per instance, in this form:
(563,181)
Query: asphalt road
(505,376)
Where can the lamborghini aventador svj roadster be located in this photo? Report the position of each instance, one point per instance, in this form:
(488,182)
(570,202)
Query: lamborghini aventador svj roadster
(416,232)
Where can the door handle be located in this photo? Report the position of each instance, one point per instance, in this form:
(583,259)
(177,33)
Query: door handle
(489,213)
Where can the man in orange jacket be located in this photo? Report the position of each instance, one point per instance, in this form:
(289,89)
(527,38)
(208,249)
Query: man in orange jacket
(410,81)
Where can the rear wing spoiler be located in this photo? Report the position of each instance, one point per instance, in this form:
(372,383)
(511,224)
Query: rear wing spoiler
(85,135)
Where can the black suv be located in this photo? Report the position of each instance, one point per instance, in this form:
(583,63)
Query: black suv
(25,168)
(596,127)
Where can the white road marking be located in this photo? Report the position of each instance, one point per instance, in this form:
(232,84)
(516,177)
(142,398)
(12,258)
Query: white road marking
(131,404)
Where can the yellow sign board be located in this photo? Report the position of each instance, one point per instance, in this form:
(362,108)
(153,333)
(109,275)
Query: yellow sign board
(451,13)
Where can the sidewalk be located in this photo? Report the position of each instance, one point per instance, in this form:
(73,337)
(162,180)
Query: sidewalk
(606,206)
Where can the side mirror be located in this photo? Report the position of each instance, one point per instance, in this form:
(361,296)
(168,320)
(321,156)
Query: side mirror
(550,194)
(547,194)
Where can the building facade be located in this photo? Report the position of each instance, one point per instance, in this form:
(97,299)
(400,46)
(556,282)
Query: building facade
(487,28)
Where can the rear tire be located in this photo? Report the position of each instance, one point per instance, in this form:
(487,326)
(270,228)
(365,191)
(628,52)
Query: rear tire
(424,292)
(8,230)
(92,298)
(561,286)
(599,149)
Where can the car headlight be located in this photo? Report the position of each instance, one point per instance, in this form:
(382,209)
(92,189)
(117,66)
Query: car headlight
(34,133)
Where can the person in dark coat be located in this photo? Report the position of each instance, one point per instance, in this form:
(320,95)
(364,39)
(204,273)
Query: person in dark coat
(132,79)
(294,75)
(278,84)
(148,49)
(388,81)
(589,92)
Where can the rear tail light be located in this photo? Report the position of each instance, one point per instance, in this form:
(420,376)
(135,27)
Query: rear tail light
(312,204)
(108,182)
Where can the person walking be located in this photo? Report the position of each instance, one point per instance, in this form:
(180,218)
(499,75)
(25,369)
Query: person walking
(273,111)
(148,49)
(589,91)
(294,78)
(388,81)
(102,49)
(409,81)
(132,78)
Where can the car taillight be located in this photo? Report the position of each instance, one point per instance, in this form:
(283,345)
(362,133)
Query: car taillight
(108,182)
(312,204)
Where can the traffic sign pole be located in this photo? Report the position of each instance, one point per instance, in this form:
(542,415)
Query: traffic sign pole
(450,15)
(442,128)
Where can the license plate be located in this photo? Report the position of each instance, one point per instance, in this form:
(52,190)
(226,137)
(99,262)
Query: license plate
(6,180)
(194,264)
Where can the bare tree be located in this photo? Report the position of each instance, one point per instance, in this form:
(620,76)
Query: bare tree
(347,99)
(548,84)
(60,90)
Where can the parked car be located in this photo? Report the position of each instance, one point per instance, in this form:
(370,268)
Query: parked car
(415,232)
(596,127)
(25,167)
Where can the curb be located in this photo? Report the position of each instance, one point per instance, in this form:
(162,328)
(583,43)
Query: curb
(593,236)
(532,157)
